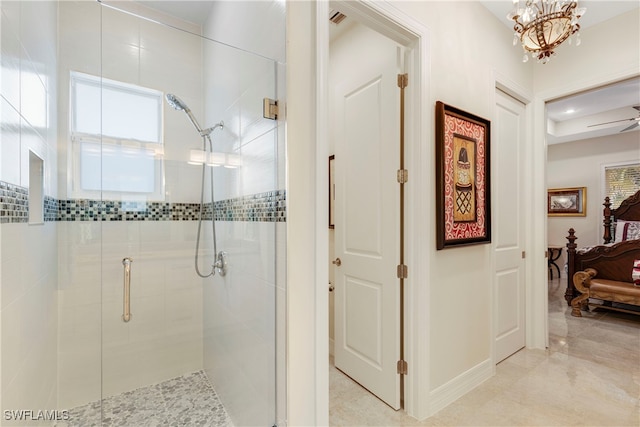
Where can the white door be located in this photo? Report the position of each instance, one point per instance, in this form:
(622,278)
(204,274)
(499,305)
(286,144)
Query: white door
(508,139)
(367,305)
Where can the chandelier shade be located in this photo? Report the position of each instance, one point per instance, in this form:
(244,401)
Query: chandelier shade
(543,25)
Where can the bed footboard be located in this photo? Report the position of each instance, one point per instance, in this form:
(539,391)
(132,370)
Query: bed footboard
(613,262)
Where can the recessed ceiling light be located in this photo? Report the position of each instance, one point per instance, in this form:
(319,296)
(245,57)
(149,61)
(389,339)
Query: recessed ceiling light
(570,111)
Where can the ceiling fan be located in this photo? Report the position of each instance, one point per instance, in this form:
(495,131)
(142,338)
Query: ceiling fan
(634,125)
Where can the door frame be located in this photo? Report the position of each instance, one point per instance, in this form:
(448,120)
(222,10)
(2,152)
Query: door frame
(531,316)
(539,337)
(387,20)
(536,294)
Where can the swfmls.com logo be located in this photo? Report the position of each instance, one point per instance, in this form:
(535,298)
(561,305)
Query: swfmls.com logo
(35,415)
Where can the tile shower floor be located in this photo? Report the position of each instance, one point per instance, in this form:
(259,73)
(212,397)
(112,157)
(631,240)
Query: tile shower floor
(184,401)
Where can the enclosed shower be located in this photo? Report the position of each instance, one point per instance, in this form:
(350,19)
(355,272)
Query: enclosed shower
(142,253)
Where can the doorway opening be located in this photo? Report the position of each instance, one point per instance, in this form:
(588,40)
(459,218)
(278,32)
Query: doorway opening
(403,52)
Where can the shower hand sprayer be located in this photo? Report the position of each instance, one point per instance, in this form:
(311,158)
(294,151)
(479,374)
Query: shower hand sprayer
(220,264)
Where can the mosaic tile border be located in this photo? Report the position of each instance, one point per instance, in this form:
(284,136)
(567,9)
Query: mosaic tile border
(51,207)
(14,203)
(263,207)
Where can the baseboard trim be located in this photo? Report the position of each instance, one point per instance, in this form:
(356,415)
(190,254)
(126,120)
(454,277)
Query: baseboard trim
(448,393)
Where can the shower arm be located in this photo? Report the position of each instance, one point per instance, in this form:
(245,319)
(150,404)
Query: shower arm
(207,132)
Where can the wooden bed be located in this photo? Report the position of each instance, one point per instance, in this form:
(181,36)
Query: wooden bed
(612,260)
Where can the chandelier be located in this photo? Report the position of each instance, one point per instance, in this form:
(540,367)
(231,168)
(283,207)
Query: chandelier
(543,25)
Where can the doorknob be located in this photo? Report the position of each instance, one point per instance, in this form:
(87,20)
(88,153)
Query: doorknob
(337,262)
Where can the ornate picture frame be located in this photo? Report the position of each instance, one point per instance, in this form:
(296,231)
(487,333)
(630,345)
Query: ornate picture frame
(567,201)
(463,186)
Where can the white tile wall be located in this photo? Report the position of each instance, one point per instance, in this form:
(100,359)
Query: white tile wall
(164,337)
(255,26)
(29,317)
(240,321)
(65,332)
(11,51)
(10,147)
(28,272)
(259,172)
(244,347)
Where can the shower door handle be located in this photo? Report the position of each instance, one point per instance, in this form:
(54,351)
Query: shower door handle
(126,312)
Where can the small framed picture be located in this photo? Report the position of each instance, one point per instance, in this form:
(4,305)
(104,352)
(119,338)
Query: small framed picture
(567,201)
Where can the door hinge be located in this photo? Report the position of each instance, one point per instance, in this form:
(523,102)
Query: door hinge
(270,109)
(403,80)
(524,254)
(403,176)
(402,271)
(402,367)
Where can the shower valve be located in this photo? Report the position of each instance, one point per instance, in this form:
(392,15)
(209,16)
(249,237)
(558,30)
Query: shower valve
(221,263)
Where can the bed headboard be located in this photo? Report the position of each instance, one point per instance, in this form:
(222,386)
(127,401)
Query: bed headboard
(629,210)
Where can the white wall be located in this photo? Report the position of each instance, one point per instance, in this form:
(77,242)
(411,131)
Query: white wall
(462,72)
(466,55)
(99,353)
(581,164)
(609,51)
(28,314)
(307,326)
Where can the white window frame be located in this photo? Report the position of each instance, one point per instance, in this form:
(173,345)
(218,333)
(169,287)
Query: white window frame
(76,140)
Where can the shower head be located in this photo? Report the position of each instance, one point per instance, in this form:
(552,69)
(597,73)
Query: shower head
(176,102)
(179,105)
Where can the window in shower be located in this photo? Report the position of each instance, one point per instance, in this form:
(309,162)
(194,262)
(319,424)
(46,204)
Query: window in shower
(116,139)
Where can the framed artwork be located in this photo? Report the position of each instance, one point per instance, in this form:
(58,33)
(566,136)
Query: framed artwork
(332,191)
(463,185)
(567,201)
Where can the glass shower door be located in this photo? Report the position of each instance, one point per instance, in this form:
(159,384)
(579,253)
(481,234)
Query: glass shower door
(179,348)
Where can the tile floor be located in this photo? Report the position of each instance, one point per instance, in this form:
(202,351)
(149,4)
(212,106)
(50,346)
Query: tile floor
(589,376)
(188,400)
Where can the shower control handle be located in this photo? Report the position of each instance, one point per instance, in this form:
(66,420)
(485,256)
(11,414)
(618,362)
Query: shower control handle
(337,262)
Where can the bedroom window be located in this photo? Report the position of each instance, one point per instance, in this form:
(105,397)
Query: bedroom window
(116,139)
(621,182)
